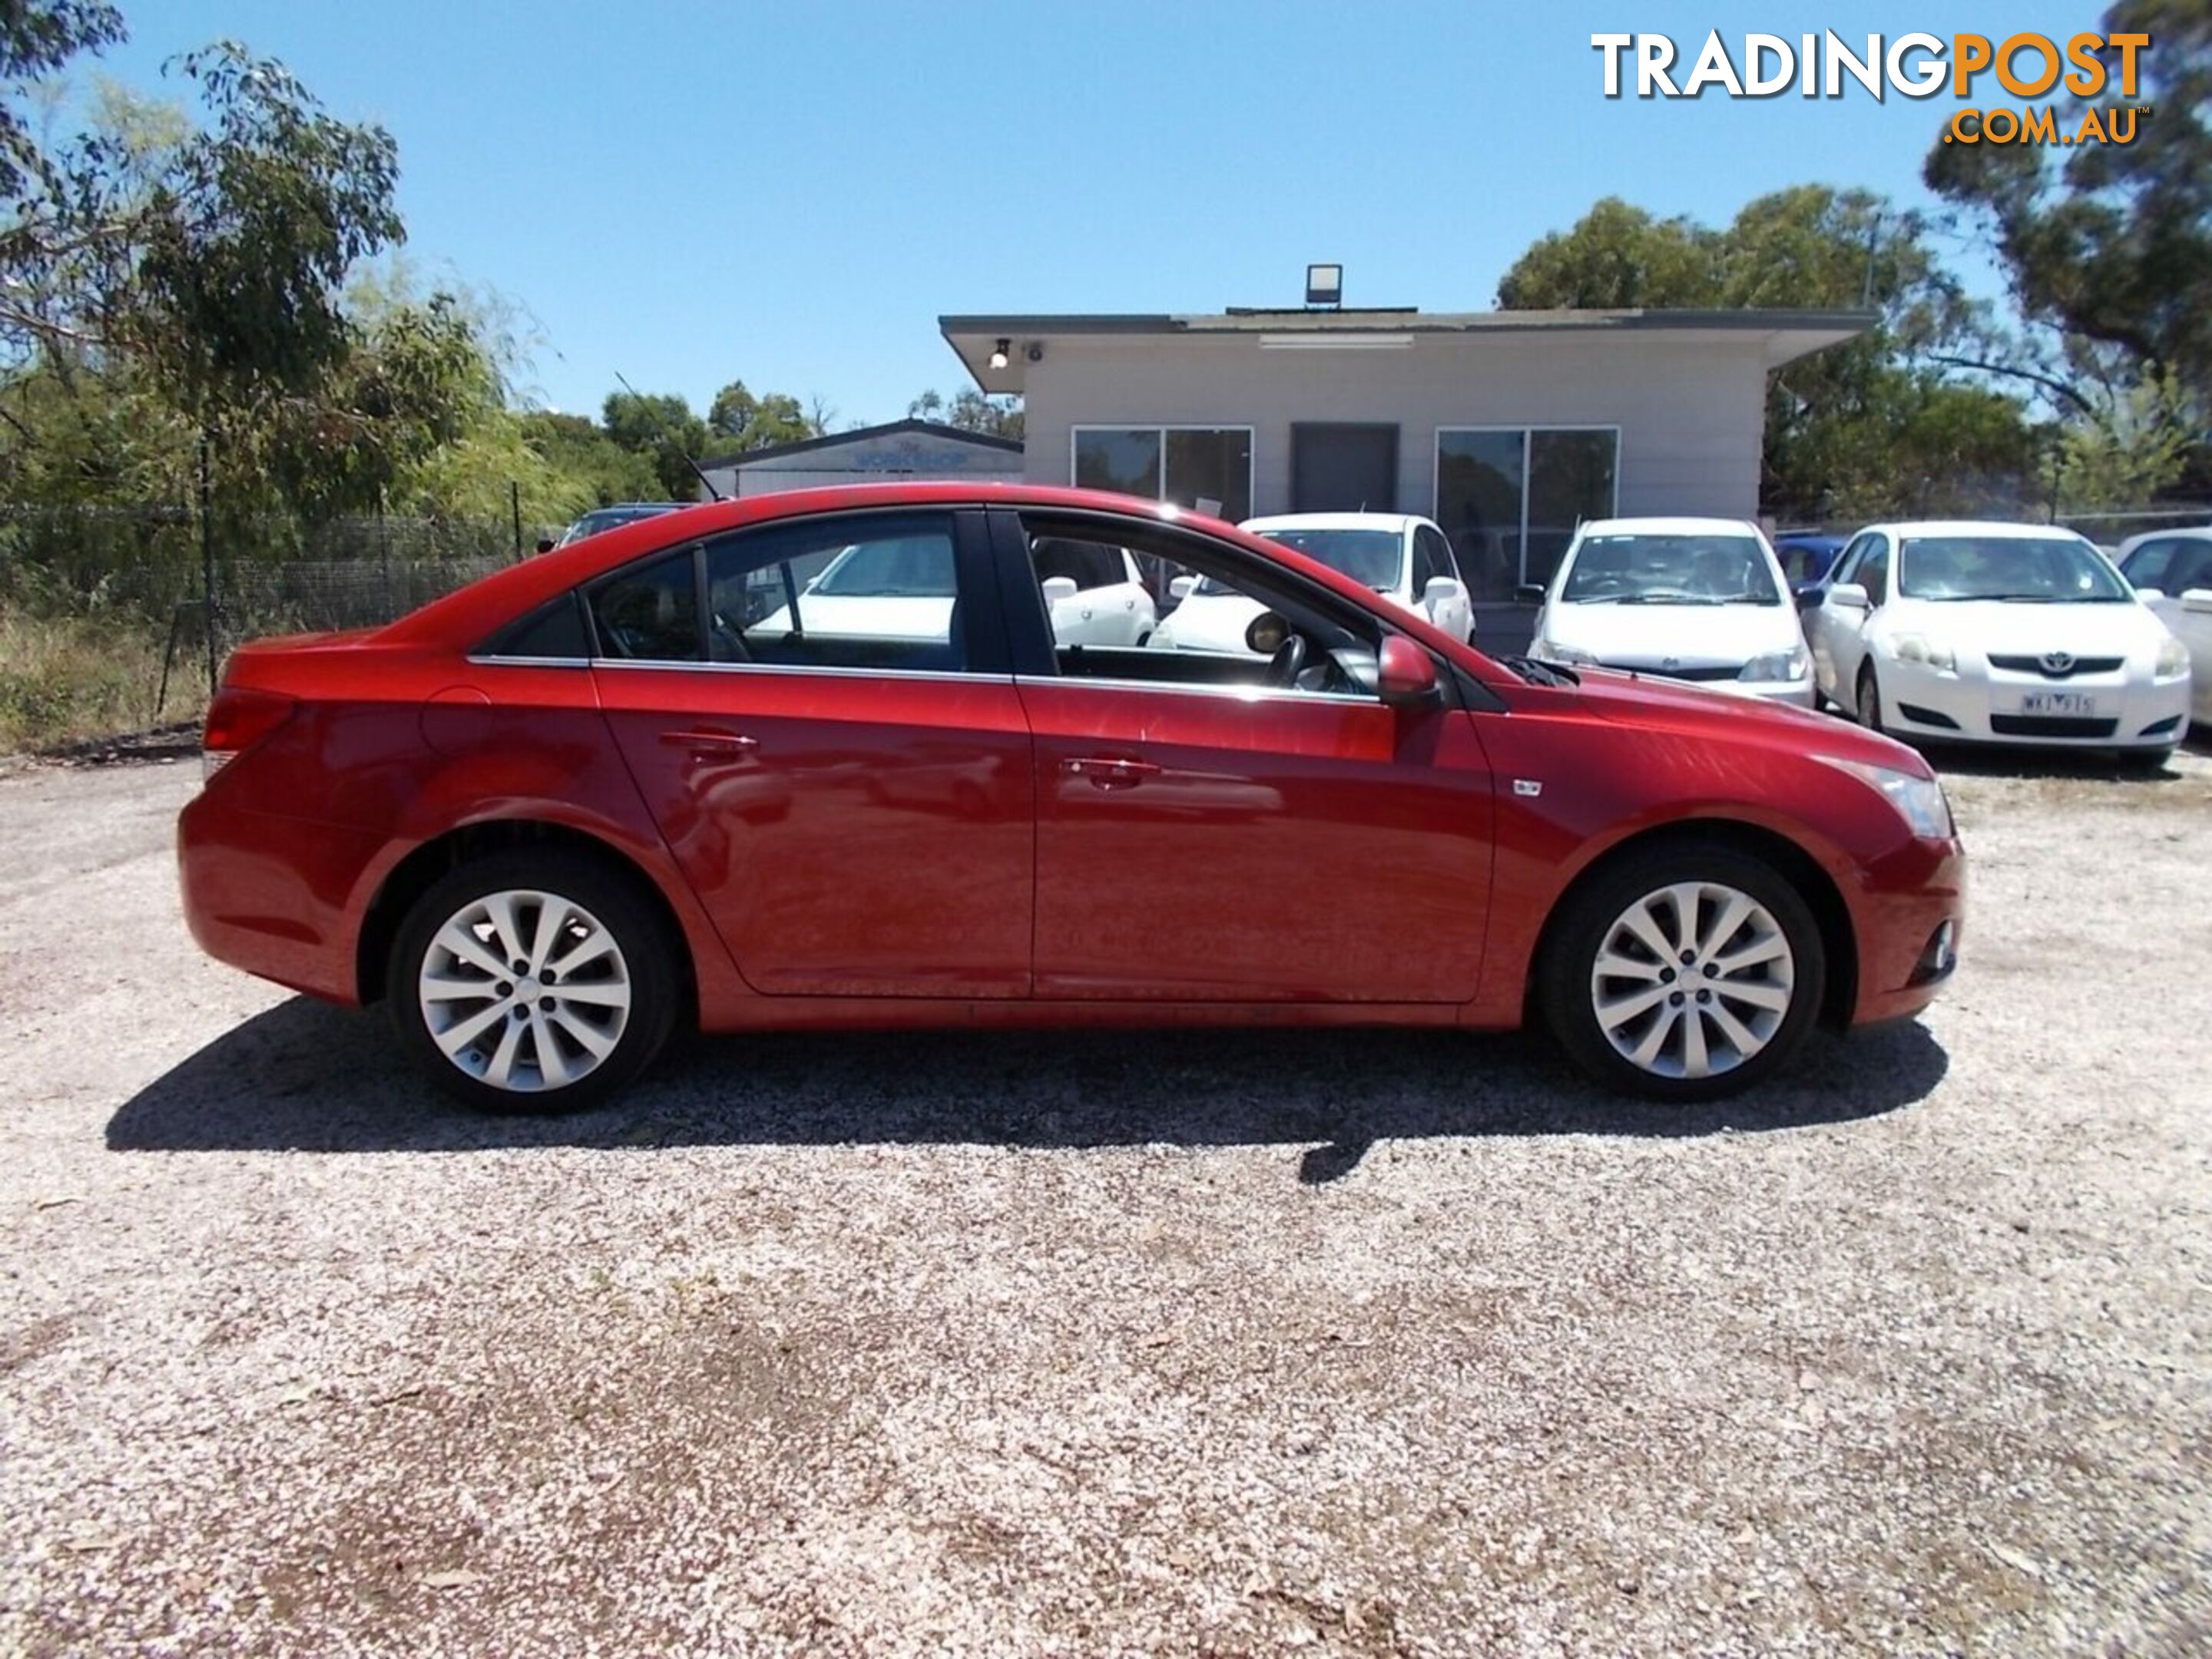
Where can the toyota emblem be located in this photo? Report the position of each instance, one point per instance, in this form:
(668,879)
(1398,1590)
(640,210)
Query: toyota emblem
(2058,662)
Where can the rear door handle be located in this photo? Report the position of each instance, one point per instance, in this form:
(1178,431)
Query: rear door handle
(1111,772)
(708,742)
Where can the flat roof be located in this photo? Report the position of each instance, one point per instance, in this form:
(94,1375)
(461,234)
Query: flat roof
(1790,334)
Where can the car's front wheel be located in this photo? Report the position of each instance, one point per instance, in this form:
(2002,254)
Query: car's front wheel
(1684,973)
(532,981)
(1870,697)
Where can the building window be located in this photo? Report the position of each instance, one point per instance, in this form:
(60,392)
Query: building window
(1509,497)
(1203,468)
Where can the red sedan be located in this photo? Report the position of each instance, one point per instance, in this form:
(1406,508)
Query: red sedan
(832,758)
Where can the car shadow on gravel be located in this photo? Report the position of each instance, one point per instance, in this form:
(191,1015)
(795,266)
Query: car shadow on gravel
(308,1077)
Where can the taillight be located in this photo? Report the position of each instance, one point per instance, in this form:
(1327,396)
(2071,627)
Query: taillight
(239,718)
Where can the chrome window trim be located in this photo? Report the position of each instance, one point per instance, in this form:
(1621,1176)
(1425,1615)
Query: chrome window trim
(493,660)
(680,666)
(1242,693)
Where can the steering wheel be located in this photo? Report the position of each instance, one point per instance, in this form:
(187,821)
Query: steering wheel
(1288,662)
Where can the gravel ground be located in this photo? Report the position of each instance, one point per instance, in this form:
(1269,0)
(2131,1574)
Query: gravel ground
(1364,1343)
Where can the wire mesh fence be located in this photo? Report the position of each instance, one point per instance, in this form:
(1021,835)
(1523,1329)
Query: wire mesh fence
(115,619)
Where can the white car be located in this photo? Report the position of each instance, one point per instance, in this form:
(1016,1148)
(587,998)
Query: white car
(1408,560)
(1701,600)
(2171,570)
(903,590)
(1997,633)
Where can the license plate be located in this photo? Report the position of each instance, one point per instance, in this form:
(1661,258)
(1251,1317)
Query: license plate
(2078,703)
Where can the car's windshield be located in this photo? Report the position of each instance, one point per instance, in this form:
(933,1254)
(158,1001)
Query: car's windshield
(1651,569)
(1374,558)
(2025,569)
(910,568)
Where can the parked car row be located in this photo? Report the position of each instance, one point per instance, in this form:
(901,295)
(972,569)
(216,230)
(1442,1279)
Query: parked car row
(1934,631)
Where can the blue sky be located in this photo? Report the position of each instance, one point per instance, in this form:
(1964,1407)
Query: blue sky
(792,193)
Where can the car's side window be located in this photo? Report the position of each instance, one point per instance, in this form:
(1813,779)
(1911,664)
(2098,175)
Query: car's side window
(650,611)
(2191,568)
(1848,562)
(1425,564)
(2152,564)
(874,592)
(1208,639)
(1440,554)
(1874,571)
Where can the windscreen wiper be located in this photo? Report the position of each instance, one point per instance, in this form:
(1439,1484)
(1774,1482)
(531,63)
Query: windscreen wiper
(1541,673)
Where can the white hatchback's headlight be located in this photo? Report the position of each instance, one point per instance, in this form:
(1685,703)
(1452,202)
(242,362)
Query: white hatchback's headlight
(1918,647)
(2172,659)
(1550,650)
(1919,801)
(1777,666)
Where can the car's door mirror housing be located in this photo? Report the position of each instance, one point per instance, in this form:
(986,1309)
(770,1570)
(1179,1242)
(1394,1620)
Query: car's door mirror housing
(1180,588)
(1442,590)
(2198,600)
(1266,633)
(1849,596)
(544,543)
(1529,593)
(1059,589)
(1404,675)
(2150,592)
(1808,597)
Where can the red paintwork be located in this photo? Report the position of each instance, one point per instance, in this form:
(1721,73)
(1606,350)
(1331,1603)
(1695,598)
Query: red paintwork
(924,851)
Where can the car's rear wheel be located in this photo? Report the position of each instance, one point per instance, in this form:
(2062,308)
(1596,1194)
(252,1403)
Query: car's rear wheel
(1869,695)
(532,981)
(1684,973)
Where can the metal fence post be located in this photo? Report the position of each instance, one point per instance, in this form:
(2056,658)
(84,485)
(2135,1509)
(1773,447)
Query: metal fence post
(514,504)
(384,554)
(208,609)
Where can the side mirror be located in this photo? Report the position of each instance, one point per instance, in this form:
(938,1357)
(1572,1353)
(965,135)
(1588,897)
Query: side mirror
(1266,634)
(1059,589)
(1529,593)
(2198,600)
(1849,596)
(1405,678)
(1179,589)
(1442,590)
(1809,596)
(544,543)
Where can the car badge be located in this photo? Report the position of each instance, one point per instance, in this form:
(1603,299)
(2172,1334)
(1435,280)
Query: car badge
(1670,664)
(2058,662)
(1527,786)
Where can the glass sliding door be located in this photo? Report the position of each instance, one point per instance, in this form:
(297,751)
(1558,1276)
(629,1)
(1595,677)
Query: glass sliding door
(1127,462)
(1193,466)
(1509,497)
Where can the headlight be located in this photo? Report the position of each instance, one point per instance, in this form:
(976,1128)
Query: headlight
(1548,651)
(1918,647)
(1777,666)
(2172,659)
(1919,801)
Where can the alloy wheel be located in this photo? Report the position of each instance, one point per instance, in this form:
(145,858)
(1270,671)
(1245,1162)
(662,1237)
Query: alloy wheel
(524,991)
(1693,980)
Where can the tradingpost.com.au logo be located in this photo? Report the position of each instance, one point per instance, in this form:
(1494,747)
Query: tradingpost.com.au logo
(2028,66)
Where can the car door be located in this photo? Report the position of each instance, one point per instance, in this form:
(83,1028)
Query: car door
(852,805)
(1454,614)
(1203,837)
(1836,632)
(1097,597)
(2187,609)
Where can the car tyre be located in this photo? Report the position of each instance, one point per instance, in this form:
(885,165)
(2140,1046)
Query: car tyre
(1870,699)
(2146,760)
(1596,965)
(596,1002)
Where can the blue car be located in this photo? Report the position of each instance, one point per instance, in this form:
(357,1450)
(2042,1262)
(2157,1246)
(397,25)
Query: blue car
(1807,557)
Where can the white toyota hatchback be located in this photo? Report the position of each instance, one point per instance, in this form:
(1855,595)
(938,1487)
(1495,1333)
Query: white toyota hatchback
(1997,633)
(1701,600)
(1405,559)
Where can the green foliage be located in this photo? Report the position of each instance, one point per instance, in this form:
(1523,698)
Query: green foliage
(35,41)
(591,468)
(1865,427)
(739,422)
(2130,451)
(662,428)
(971,411)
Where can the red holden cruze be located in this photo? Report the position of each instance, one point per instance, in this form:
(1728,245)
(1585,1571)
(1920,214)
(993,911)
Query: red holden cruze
(919,754)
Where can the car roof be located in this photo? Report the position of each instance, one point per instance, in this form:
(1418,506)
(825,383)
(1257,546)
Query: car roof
(1398,522)
(1677,526)
(1996,529)
(2193,533)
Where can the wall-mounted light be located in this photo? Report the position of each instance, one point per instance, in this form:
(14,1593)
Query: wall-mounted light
(998,352)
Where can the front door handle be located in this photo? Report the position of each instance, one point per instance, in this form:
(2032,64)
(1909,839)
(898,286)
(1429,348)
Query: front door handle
(711,742)
(1110,771)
